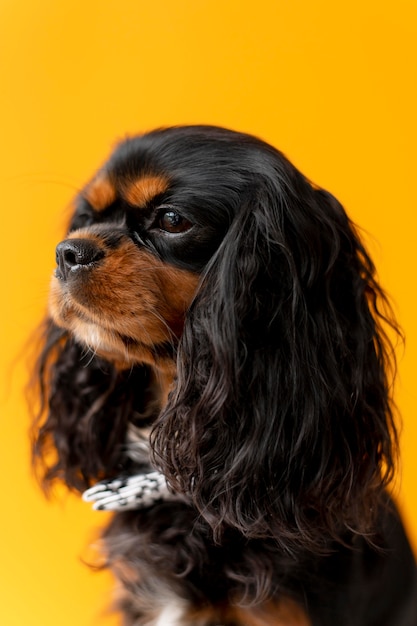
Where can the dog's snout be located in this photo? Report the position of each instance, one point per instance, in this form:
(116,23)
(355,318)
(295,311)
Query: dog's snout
(76,254)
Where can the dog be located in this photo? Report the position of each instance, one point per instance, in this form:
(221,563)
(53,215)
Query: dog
(216,370)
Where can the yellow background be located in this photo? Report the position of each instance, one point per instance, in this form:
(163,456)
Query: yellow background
(332,84)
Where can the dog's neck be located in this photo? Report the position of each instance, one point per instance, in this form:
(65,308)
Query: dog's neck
(144,487)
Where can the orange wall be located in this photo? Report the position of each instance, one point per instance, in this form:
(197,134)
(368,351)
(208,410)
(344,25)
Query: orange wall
(333,84)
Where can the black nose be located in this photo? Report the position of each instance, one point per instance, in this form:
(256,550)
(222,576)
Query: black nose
(73,255)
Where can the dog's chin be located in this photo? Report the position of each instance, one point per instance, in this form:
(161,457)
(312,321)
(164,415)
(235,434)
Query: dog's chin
(122,351)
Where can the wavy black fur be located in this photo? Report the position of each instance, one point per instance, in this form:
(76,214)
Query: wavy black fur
(283,348)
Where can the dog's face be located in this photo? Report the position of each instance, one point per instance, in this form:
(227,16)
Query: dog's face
(142,231)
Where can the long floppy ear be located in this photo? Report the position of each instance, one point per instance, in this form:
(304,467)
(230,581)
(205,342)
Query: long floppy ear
(281,425)
(84,408)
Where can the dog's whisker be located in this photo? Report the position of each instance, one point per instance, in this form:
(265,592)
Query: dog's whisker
(90,352)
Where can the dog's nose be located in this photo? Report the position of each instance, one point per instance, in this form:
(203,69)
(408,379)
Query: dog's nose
(73,255)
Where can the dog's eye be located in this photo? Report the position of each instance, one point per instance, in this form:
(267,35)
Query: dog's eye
(172,222)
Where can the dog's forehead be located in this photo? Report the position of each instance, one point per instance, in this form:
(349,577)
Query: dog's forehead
(132,173)
(193,166)
(139,174)
(137,190)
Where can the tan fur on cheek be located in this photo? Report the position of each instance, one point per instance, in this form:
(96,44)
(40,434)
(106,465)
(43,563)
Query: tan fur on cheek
(128,308)
(60,305)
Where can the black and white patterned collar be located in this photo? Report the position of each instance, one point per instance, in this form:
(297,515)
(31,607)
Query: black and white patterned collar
(127,493)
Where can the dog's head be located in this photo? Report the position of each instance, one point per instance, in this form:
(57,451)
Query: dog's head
(201,258)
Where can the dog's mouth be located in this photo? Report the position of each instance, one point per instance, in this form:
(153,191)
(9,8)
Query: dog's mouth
(119,300)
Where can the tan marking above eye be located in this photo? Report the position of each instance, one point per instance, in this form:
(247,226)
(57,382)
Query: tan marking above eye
(100,192)
(142,190)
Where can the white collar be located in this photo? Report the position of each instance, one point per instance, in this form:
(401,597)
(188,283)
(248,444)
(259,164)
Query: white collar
(126,493)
